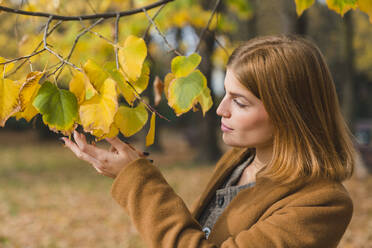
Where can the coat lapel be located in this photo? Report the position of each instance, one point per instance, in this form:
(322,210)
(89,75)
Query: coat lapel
(223,168)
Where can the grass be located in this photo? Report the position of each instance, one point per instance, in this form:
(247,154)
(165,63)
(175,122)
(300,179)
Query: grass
(50,199)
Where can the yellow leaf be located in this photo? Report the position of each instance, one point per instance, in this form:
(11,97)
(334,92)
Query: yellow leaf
(81,87)
(150,137)
(114,131)
(205,100)
(7,67)
(27,95)
(167,80)
(366,6)
(131,120)
(95,74)
(131,57)
(182,66)
(341,6)
(142,82)
(139,85)
(302,5)
(9,105)
(98,112)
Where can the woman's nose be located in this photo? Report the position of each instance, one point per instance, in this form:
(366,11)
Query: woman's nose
(222,109)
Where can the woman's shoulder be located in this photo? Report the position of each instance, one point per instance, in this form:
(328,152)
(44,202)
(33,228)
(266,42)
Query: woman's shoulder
(321,192)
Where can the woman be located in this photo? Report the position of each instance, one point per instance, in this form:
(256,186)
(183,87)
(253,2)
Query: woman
(279,186)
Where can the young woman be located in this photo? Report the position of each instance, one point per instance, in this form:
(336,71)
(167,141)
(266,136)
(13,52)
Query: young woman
(281,183)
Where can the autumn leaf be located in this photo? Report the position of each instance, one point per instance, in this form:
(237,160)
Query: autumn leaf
(98,112)
(205,100)
(184,90)
(150,137)
(9,104)
(27,94)
(183,66)
(341,6)
(131,120)
(58,107)
(95,74)
(167,80)
(132,56)
(366,6)
(7,67)
(81,87)
(158,90)
(302,5)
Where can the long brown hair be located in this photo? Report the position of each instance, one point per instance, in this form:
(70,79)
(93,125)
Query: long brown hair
(311,139)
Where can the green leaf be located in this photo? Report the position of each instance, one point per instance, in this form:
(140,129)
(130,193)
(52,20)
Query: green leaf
(131,120)
(183,66)
(184,91)
(58,107)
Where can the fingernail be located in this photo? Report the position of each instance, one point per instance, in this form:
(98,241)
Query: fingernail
(146,153)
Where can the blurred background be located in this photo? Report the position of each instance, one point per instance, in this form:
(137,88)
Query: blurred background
(48,198)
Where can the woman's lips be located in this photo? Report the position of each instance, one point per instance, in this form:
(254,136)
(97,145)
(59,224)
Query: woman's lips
(225,128)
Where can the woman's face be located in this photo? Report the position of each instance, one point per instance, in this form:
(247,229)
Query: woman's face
(244,120)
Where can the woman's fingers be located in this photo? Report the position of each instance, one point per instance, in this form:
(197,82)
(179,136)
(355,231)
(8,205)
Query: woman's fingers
(82,155)
(119,145)
(87,148)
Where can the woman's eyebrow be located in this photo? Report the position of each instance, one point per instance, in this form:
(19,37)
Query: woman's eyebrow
(237,95)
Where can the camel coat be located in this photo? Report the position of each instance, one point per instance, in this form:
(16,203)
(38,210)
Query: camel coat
(265,216)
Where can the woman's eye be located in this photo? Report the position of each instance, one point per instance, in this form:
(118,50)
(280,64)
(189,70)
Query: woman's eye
(239,104)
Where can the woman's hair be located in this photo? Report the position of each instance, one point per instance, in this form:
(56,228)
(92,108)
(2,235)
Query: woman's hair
(290,76)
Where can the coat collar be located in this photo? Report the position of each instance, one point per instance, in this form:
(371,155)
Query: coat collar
(223,168)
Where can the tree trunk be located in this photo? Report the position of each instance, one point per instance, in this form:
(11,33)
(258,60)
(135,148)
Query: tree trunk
(348,89)
(209,151)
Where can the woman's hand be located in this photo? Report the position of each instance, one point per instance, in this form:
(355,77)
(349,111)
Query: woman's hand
(108,163)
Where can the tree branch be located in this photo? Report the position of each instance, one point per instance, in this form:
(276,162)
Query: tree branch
(84,17)
(116,49)
(23,57)
(33,52)
(153,18)
(161,34)
(208,24)
(50,50)
(74,45)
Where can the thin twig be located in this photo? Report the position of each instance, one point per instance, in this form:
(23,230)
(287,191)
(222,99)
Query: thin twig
(146,104)
(207,26)
(38,46)
(116,49)
(74,45)
(150,24)
(84,17)
(91,7)
(23,57)
(98,35)
(161,34)
(50,50)
(220,45)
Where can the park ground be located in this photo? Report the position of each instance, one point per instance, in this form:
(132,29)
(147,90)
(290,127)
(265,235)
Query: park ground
(50,199)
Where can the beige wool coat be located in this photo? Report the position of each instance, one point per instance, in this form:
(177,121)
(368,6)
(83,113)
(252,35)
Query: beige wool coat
(314,215)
